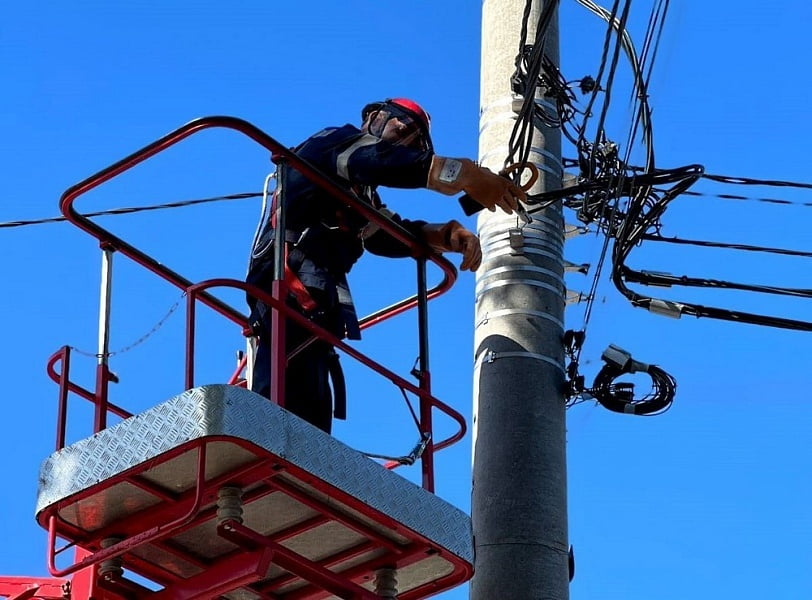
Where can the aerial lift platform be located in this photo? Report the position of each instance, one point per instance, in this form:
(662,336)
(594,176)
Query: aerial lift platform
(221,493)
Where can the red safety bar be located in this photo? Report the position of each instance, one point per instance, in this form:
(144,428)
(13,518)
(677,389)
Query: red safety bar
(425,396)
(278,150)
(23,588)
(62,379)
(150,534)
(280,153)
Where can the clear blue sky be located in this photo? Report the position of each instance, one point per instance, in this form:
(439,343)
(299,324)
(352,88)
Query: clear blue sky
(710,500)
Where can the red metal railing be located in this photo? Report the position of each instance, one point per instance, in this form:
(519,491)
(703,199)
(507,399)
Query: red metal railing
(23,588)
(277,149)
(144,537)
(425,396)
(197,291)
(62,378)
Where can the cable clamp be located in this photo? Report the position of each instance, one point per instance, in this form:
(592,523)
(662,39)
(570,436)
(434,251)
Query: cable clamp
(666,308)
(516,104)
(622,360)
(516,239)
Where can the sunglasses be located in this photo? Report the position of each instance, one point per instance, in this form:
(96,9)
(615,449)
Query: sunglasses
(408,130)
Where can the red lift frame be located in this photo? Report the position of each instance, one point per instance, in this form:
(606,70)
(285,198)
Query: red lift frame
(198,292)
(281,153)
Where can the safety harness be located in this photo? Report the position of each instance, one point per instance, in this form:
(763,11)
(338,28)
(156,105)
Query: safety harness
(299,247)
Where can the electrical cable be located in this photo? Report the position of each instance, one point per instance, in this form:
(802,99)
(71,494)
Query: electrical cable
(598,77)
(619,397)
(133,209)
(753,181)
(641,115)
(606,209)
(605,179)
(653,37)
(529,63)
(600,135)
(643,232)
(747,198)
(263,218)
(665,280)
(707,244)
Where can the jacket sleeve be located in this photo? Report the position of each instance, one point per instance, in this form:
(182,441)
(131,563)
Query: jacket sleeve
(362,159)
(368,160)
(381,243)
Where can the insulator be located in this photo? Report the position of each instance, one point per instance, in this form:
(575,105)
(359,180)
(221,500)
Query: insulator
(386,583)
(112,568)
(229,504)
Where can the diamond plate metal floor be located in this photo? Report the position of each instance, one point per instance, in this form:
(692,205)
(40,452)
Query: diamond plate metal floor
(306,496)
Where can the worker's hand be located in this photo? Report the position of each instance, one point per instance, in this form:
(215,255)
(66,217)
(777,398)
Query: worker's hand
(450,176)
(492,190)
(466,243)
(453,237)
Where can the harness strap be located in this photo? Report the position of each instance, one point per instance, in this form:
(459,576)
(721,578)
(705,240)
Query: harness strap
(347,308)
(298,289)
(339,386)
(295,257)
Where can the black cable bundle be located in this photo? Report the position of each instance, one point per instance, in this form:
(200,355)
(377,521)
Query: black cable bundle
(619,397)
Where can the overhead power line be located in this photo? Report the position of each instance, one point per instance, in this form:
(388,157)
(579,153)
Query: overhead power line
(780,201)
(133,209)
(627,204)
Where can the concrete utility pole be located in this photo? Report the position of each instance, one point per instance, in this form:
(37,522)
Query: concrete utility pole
(520,484)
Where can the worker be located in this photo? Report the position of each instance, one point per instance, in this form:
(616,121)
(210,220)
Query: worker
(324,238)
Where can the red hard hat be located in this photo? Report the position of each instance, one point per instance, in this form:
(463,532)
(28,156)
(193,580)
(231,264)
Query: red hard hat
(410,106)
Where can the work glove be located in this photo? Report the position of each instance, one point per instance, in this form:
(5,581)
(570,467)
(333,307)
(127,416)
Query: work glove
(453,237)
(450,176)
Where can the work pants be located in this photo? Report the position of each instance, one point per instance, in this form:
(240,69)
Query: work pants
(307,389)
